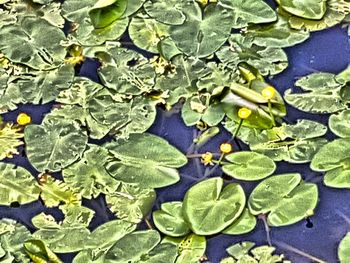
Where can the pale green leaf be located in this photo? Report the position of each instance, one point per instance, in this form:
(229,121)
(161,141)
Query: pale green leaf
(168,12)
(344,249)
(10,139)
(54,145)
(39,252)
(169,220)
(249,166)
(285,198)
(309,9)
(145,159)
(105,12)
(217,209)
(244,224)
(339,123)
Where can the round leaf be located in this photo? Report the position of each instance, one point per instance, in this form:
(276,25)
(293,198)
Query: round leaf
(209,208)
(244,224)
(285,198)
(249,166)
(169,220)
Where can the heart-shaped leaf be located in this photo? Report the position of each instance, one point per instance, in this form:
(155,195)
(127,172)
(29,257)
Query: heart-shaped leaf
(145,159)
(169,220)
(217,208)
(244,224)
(249,166)
(285,198)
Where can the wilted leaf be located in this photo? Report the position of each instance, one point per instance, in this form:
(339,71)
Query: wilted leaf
(216,210)
(145,159)
(285,198)
(10,139)
(130,202)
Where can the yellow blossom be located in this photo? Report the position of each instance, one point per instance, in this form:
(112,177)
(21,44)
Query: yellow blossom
(244,113)
(268,92)
(207,158)
(226,148)
(23,119)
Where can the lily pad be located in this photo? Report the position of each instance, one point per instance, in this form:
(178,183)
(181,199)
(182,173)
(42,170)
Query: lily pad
(285,198)
(217,209)
(308,9)
(244,224)
(145,159)
(343,249)
(249,166)
(339,124)
(10,139)
(168,12)
(53,146)
(169,220)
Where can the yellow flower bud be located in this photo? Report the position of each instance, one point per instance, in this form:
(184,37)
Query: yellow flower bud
(269,92)
(207,158)
(244,113)
(23,119)
(226,148)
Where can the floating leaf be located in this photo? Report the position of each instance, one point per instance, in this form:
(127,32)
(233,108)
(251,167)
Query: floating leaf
(131,203)
(322,94)
(268,60)
(336,165)
(12,237)
(105,12)
(249,166)
(216,210)
(133,247)
(53,192)
(10,139)
(202,33)
(339,124)
(17,185)
(244,224)
(145,159)
(146,33)
(33,42)
(308,9)
(53,146)
(89,176)
(343,249)
(249,12)
(167,12)
(285,198)
(278,34)
(169,220)
(39,252)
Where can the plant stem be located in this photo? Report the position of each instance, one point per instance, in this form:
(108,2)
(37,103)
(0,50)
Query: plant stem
(267,228)
(270,110)
(199,155)
(148,223)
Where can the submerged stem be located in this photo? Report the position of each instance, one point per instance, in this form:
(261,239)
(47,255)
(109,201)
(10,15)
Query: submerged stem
(267,228)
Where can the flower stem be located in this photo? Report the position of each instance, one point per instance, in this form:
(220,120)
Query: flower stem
(270,110)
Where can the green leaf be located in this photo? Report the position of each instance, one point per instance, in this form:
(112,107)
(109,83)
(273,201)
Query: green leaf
(278,34)
(202,33)
(53,146)
(336,165)
(268,60)
(339,123)
(33,42)
(53,192)
(133,247)
(309,9)
(343,249)
(285,198)
(12,237)
(105,12)
(336,11)
(145,159)
(17,185)
(211,213)
(146,33)
(249,12)
(167,12)
(169,220)
(244,224)
(165,252)
(10,139)
(89,176)
(190,248)
(130,202)
(39,252)
(249,166)
(322,94)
